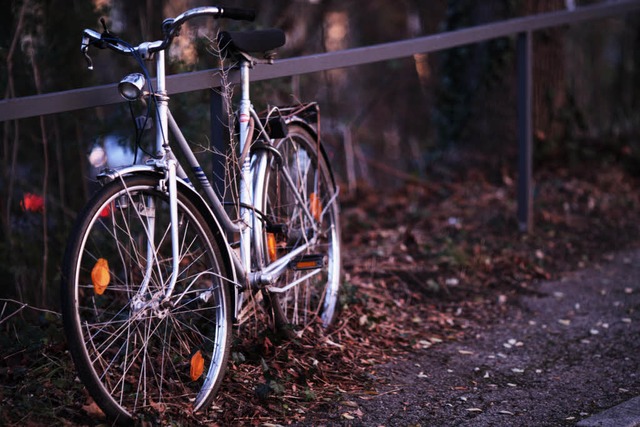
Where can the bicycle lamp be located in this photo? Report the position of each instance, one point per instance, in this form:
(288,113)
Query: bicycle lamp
(131,86)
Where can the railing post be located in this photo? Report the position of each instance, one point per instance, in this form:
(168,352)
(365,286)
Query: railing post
(525,132)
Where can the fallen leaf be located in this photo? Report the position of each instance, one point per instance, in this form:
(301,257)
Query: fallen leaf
(159,407)
(93,409)
(424,344)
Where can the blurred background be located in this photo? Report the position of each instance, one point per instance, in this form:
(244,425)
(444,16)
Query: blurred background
(428,118)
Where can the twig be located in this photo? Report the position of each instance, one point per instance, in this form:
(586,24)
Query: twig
(10,93)
(22,307)
(30,49)
(393,171)
(395,390)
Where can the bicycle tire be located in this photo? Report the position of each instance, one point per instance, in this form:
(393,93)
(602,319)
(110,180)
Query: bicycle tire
(136,356)
(313,300)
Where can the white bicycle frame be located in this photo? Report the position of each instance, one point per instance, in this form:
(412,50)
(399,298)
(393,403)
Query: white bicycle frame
(248,224)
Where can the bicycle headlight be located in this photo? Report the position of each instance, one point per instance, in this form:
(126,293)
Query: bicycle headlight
(131,86)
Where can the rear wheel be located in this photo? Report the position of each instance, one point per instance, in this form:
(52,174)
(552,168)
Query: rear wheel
(135,350)
(300,205)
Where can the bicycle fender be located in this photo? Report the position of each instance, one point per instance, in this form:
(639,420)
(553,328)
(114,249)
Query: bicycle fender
(305,124)
(112,174)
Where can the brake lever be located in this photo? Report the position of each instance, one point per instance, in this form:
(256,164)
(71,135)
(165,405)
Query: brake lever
(84,48)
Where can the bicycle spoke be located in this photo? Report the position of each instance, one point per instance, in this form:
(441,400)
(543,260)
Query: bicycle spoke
(137,346)
(300,194)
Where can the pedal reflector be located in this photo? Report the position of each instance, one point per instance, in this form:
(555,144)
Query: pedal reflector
(307,262)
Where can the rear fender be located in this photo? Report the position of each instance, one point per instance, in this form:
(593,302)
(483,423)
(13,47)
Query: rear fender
(295,120)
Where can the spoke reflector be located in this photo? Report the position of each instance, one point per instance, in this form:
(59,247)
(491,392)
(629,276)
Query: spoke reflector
(272,247)
(316,206)
(197,366)
(100,276)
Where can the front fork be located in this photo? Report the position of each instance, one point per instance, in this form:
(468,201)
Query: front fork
(169,164)
(173,212)
(169,185)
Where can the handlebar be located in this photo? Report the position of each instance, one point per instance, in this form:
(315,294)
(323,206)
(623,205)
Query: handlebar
(170,29)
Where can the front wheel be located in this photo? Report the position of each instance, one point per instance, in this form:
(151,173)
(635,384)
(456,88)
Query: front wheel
(135,350)
(299,201)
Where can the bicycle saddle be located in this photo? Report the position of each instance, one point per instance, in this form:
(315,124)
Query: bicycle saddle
(251,41)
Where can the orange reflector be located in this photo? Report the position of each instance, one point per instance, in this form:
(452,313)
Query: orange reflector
(316,206)
(302,265)
(271,247)
(197,366)
(100,276)
(308,262)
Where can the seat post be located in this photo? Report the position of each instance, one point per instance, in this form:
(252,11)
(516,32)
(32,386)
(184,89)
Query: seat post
(246,193)
(245,102)
(245,105)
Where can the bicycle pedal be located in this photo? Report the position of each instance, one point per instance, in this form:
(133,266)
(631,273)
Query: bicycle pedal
(307,262)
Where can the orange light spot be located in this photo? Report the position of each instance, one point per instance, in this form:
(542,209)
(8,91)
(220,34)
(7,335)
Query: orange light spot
(100,276)
(32,203)
(197,366)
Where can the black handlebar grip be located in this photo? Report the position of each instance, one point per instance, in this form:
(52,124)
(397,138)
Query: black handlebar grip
(238,14)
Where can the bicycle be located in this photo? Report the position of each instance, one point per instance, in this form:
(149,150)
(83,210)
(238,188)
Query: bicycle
(156,271)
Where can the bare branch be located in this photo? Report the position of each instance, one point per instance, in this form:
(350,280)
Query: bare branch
(21,307)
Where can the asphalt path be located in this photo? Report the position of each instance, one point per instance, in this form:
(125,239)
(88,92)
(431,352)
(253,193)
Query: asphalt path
(567,354)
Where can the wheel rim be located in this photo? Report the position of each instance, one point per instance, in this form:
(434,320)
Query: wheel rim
(146,353)
(316,295)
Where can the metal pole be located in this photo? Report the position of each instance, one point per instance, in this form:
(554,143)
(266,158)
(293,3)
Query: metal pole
(525,132)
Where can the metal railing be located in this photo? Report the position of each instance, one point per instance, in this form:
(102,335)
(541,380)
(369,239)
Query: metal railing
(522,28)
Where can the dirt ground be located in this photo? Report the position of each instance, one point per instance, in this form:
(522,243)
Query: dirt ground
(567,350)
(449,316)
